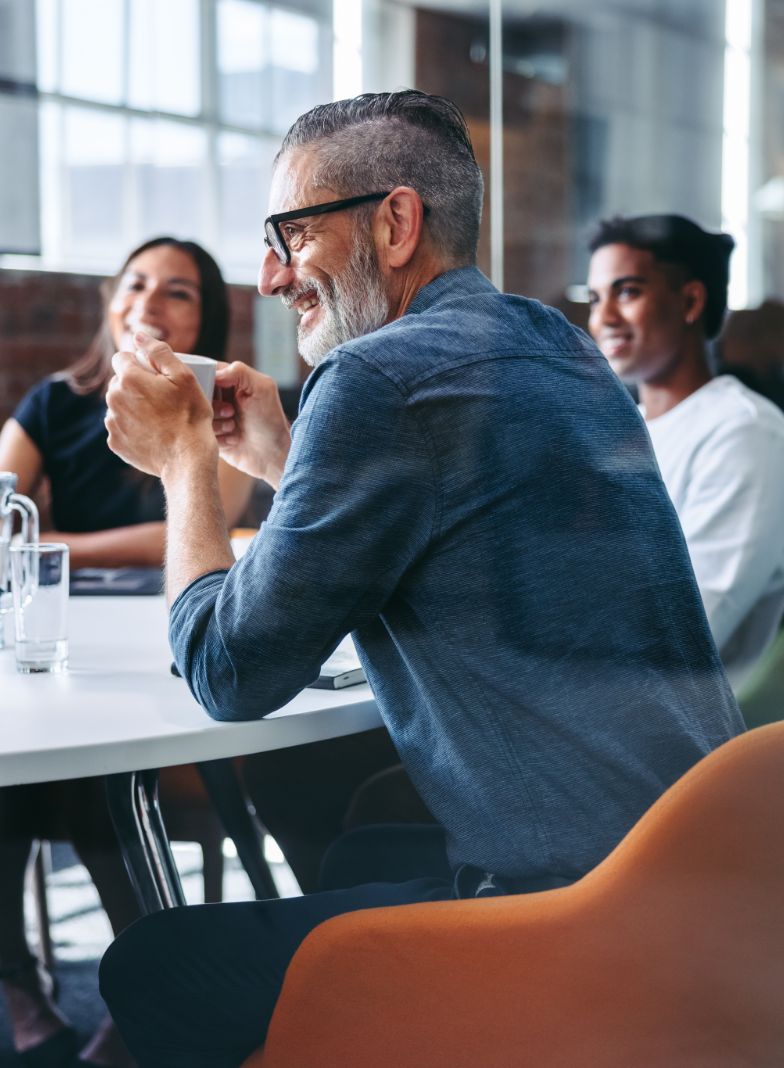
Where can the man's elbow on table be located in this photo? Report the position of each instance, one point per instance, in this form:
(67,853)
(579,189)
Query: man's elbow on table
(223,668)
(229,699)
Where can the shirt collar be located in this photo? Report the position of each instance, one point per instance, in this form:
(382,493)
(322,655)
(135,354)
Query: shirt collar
(458,282)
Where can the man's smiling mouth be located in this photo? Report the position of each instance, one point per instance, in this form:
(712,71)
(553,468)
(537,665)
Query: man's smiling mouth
(613,342)
(302,300)
(306,304)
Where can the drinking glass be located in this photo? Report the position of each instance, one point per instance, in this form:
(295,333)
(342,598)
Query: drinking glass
(39,584)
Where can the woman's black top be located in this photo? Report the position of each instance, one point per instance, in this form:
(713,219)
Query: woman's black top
(92,489)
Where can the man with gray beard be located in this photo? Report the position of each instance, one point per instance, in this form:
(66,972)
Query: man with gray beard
(354,303)
(470,491)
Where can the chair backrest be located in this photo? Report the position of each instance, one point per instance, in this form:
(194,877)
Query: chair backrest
(670,953)
(761,698)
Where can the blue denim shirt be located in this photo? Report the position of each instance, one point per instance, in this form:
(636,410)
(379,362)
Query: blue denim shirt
(473,494)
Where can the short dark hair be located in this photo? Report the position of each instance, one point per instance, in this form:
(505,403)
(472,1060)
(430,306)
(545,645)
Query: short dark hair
(92,371)
(377,141)
(680,242)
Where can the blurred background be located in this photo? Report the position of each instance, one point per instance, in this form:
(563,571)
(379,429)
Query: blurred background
(125,119)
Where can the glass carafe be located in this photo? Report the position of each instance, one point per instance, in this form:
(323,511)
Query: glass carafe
(12,503)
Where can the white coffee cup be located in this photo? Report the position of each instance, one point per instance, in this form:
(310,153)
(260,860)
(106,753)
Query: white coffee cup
(204,369)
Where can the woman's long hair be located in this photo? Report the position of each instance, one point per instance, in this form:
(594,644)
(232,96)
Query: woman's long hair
(92,371)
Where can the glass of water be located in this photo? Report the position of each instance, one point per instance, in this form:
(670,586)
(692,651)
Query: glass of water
(39,584)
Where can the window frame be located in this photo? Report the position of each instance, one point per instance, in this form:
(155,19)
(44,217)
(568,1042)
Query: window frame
(54,251)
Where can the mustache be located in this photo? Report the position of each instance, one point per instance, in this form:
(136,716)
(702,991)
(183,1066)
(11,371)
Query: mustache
(294,292)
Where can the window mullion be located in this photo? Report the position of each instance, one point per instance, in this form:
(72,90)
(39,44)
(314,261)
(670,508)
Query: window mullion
(126,76)
(209,114)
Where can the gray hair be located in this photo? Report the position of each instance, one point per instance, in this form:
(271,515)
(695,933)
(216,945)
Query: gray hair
(377,141)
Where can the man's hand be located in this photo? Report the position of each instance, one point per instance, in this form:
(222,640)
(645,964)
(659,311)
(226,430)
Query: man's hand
(252,430)
(158,416)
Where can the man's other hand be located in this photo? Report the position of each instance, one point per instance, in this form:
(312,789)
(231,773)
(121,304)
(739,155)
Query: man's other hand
(252,430)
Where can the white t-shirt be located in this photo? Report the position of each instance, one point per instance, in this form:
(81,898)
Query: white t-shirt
(721,455)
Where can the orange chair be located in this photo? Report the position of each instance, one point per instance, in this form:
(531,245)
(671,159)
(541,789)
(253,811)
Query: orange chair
(670,954)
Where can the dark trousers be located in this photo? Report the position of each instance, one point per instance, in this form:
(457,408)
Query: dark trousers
(195,987)
(386,853)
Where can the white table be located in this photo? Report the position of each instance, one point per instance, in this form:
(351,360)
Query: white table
(119,711)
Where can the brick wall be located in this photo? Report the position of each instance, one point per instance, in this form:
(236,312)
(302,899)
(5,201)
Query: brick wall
(48,319)
(537,163)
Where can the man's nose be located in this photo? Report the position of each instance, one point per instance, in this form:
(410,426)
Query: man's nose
(273,275)
(603,313)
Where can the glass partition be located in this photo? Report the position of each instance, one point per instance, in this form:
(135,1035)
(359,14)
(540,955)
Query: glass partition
(608,109)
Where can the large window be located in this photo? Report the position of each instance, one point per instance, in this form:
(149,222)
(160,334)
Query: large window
(162,116)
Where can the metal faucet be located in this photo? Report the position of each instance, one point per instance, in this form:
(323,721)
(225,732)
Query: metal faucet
(11,502)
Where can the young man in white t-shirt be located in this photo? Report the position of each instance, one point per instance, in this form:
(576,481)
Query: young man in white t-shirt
(658,292)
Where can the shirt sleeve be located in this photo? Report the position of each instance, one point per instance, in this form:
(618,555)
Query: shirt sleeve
(732,521)
(355,508)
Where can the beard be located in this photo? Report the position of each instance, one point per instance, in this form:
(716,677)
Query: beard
(353,303)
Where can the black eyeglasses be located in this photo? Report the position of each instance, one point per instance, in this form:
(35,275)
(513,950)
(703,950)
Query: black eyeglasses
(274,238)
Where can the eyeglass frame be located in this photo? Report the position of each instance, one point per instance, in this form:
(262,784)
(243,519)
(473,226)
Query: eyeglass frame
(274,239)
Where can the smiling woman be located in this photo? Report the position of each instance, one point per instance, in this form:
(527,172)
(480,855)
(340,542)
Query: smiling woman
(107,513)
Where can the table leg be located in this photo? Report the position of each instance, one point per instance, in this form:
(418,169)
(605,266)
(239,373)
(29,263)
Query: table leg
(239,819)
(133,804)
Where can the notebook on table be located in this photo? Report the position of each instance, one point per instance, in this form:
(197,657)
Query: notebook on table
(341,669)
(116,581)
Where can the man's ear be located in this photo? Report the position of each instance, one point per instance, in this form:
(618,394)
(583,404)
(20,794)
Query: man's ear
(695,296)
(398,226)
